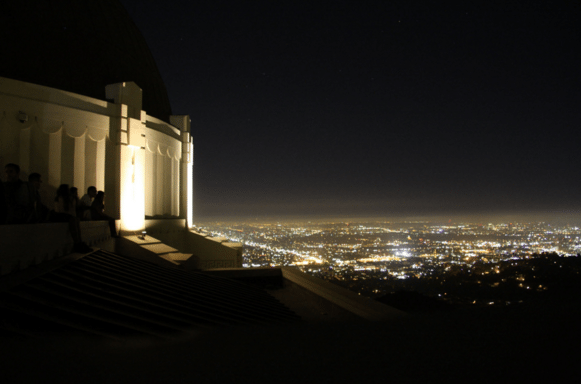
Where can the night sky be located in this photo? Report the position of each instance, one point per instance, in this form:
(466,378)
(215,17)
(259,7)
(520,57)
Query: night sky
(383,108)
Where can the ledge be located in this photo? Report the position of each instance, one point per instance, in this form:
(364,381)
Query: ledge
(30,244)
(360,306)
(311,298)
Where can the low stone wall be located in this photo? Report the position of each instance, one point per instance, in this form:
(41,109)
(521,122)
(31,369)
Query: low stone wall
(24,245)
(156,226)
(207,252)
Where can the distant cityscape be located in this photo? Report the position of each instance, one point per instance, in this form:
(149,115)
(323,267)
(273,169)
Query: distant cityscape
(457,263)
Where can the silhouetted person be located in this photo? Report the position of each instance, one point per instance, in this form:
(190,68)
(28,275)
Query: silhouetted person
(17,196)
(86,202)
(64,212)
(39,210)
(74,192)
(2,204)
(98,212)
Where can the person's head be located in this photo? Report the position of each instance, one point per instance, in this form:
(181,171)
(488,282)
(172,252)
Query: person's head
(74,191)
(92,192)
(100,196)
(63,191)
(12,172)
(35,180)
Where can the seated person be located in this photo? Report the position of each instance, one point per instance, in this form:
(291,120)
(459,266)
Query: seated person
(86,202)
(64,212)
(39,210)
(74,192)
(17,196)
(98,212)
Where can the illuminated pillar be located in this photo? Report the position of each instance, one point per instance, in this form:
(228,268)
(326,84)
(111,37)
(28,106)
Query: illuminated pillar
(150,179)
(132,188)
(100,165)
(159,187)
(176,187)
(125,185)
(132,172)
(183,123)
(190,184)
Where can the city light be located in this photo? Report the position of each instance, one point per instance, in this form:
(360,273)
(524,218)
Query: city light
(360,255)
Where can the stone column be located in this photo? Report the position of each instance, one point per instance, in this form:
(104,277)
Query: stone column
(125,189)
(183,123)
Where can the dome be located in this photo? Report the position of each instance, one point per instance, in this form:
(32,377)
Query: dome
(80,47)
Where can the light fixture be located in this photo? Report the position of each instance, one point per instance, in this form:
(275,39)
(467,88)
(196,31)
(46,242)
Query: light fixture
(22,117)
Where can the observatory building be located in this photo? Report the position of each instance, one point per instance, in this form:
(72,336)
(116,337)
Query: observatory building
(82,103)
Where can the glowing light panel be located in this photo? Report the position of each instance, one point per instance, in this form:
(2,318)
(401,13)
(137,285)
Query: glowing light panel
(132,189)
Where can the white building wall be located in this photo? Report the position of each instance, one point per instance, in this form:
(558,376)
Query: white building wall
(54,158)
(162,180)
(81,141)
(175,185)
(150,182)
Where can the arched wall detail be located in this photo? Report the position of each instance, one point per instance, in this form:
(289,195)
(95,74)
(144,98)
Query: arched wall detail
(162,185)
(142,163)
(37,144)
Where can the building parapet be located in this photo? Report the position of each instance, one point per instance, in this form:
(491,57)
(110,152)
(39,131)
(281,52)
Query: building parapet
(44,242)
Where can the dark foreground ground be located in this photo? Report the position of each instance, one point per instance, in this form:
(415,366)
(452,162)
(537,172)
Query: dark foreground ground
(537,342)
